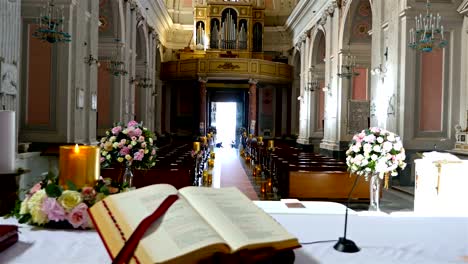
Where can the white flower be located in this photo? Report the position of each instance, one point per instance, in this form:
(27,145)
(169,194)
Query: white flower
(112,139)
(104,153)
(103,139)
(134,143)
(128,157)
(107,133)
(364,162)
(397,146)
(108,156)
(367,148)
(376,148)
(115,145)
(391,137)
(356,148)
(374,157)
(125,131)
(387,146)
(380,140)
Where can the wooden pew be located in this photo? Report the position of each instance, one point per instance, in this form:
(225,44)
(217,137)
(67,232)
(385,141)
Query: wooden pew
(333,185)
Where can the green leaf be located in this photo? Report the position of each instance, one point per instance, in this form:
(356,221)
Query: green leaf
(104,190)
(24,218)
(71,186)
(53,190)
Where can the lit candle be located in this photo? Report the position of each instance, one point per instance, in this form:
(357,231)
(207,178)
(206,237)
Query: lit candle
(212,155)
(79,165)
(203,139)
(196,146)
(260,139)
(271,144)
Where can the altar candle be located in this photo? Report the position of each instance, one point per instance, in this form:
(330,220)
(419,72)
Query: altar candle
(271,143)
(196,146)
(7,142)
(260,139)
(79,164)
(204,140)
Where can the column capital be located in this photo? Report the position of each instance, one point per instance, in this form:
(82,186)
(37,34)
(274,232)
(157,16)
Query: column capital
(253,81)
(202,80)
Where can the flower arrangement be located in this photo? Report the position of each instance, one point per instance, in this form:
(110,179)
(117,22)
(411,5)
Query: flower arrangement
(48,204)
(132,143)
(375,150)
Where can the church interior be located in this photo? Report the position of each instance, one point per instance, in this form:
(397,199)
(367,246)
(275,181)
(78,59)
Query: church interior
(273,97)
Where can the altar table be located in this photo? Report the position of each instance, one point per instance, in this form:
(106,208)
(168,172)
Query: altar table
(398,238)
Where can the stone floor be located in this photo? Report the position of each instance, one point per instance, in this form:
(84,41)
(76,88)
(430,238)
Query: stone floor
(231,170)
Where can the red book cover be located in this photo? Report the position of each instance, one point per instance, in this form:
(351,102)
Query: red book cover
(8,236)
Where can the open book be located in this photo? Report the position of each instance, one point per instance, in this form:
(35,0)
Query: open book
(202,222)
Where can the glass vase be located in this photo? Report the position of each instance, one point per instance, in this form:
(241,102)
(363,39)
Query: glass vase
(374,188)
(128,177)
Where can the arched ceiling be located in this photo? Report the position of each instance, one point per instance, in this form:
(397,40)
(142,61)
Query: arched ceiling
(276,11)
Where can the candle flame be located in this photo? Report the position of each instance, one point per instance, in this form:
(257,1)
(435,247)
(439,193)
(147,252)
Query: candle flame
(77,149)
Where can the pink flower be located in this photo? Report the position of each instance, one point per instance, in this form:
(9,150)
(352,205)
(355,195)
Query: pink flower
(88,193)
(35,188)
(143,145)
(138,155)
(133,138)
(132,123)
(116,130)
(78,217)
(123,141)
(53,210)
(141,139)
(153,152)
(135,132)
(124,151)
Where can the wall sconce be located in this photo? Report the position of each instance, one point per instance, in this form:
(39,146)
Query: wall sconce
(91,60)
(133,80)
(327,90)
(379,71)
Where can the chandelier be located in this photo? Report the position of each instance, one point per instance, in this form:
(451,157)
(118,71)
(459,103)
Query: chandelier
(50,23)
(348,65)
(116,66)
(429,32)
(313,83)
(144,83)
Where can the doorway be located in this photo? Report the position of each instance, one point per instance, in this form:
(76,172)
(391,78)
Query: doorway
(224,120)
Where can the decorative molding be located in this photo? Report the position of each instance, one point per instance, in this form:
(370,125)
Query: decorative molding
(463,8)
(228,66)
(202,79)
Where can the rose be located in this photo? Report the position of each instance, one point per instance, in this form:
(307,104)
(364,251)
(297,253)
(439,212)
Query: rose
(116,130)
(69,199)
(24,206)
(35,188)
(35,207)
(53,209)
(108,146)
(88,193)
(78,217)
(124,151)
(132,123)
(138,155)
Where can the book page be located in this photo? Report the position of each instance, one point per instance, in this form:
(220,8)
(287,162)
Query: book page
(237,219)
(180,231)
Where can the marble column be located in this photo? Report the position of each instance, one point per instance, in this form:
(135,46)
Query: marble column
(202,91)
(253,105)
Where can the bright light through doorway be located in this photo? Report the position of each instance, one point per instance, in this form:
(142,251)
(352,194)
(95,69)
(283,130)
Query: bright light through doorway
(225,123)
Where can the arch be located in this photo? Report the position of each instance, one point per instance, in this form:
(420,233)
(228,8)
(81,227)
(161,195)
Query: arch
(345,27)
(317,46)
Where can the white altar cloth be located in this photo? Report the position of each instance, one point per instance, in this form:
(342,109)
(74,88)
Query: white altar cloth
(383,239)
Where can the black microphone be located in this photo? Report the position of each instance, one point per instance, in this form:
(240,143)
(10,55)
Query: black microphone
(343,244)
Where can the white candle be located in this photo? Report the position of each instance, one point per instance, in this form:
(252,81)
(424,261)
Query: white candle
(7,142)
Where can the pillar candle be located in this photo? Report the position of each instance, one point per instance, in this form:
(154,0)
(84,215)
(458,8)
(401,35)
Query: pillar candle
(79,164)
(7,142)
(271,144)
(196,146)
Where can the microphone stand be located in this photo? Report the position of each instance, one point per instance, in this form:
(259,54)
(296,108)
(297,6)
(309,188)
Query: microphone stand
(343,244)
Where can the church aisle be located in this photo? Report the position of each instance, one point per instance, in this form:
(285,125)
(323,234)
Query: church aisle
(228,172)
